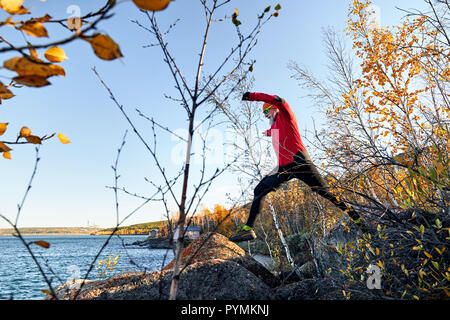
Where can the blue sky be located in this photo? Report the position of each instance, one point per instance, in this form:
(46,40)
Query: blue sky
(69,187)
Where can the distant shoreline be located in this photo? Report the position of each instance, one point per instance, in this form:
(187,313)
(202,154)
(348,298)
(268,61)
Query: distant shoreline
(70,234)
(40,231)
(141,229)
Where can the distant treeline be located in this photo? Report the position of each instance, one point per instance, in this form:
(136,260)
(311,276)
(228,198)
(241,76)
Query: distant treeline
(49,231)
(137,229)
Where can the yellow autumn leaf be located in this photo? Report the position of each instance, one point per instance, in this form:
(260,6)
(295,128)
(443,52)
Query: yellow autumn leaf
(7,155)
(42,243)
(55,54)
(13,6)
(427,254)
(3,127)
(25,132)
(34,28)
(152,5)
(63,138)
(104,47)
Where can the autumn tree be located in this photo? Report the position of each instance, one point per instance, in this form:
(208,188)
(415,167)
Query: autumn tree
(387,149)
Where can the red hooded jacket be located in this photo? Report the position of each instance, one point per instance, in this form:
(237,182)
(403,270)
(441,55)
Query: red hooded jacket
(286,138)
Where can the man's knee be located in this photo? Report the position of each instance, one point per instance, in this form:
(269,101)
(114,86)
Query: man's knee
(260,190)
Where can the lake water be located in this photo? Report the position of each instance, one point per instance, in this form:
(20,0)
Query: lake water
(69,257)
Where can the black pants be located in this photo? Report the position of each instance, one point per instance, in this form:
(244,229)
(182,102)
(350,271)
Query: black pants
(302,168)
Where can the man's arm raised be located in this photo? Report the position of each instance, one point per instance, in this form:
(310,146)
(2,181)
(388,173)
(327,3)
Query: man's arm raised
(280,103)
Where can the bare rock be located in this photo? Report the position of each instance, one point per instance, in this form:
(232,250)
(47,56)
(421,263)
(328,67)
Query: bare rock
(213,268)
(216,246)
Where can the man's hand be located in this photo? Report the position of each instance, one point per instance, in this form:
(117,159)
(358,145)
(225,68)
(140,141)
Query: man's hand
(246,96)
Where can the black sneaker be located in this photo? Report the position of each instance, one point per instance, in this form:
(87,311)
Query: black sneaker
(243,235)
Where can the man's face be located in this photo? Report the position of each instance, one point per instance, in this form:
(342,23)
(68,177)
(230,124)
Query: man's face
(271,113)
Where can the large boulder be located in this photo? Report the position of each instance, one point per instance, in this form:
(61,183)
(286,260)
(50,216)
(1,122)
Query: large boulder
(213,268)
(216,246)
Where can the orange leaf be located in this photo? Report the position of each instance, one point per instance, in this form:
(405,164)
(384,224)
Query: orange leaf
(4,147)
(32,81)
(3,127)
(5,93)
(104,47)
(33,139)
(47,292)
(42,243)
(152,5)
(27,67)
(25,132)
(34,28)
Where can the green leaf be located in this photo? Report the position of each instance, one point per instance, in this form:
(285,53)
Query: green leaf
(435,264)
(422,229)
(277,7)
(433,174)
(267,9)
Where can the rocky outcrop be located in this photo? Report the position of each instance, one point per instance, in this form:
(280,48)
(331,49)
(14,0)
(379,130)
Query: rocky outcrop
(214,268)
(154,243)
(216,246)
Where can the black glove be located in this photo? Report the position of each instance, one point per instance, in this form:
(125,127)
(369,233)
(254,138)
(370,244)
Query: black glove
(246,96)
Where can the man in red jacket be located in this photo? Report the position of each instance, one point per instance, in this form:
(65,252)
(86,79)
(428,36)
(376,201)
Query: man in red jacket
(293,162)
